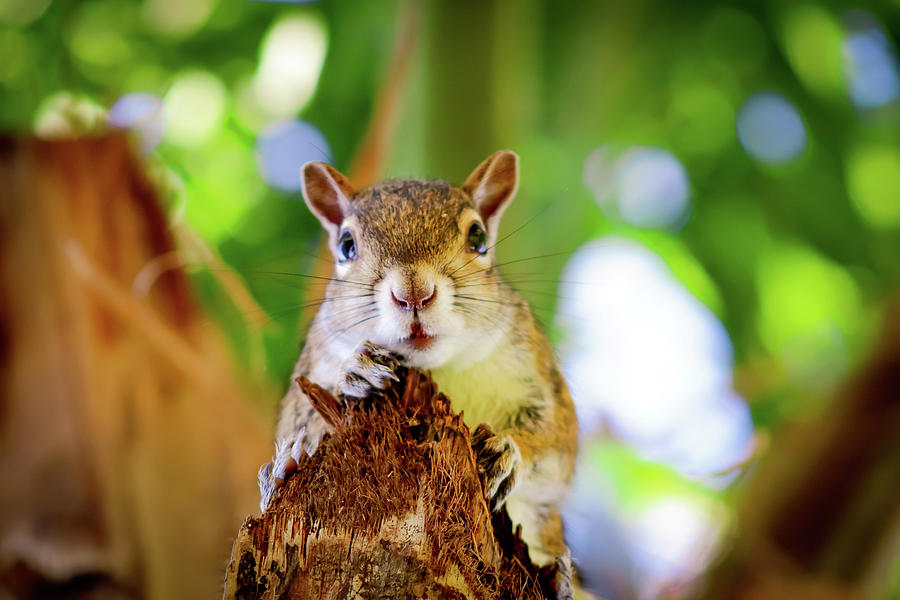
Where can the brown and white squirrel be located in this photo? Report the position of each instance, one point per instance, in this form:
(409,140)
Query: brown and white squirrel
(414,283)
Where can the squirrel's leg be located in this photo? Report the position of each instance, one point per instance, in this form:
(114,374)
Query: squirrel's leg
(542,530)
(300,431)
(301,428)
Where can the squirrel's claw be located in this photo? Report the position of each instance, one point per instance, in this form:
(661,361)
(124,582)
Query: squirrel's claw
(274,473)
(498,459)
(267,485)
(565,587)
(370,368)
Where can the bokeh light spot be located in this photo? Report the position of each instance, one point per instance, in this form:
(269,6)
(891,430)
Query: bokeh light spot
(669,535)
(283,147)
(770,128)
(67,114)
(176,18)
(653,188)
(292,55)
(646,187)
(222,189)
(870,64)
(611,520)
(808,305)
(873,182)
(194,108)
(22,12)
(646,357)
(142,114)
(812,42)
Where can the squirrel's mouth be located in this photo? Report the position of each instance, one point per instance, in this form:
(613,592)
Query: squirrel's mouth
(418,339)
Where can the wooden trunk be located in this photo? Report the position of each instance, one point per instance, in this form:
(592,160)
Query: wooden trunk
(128,449)
(391,505)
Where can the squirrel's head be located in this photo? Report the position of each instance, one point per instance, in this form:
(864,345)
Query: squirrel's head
(414,261)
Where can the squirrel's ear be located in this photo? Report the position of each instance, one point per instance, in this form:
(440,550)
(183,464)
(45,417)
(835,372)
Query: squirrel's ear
(493,184)
(327,193)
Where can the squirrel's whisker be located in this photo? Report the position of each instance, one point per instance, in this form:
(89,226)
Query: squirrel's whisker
(339,281)
(483,300)
(357,323)
(316,278)
(493,318)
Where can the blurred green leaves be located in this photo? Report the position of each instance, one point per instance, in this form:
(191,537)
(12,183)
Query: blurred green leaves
(174,17)
(873,182)
(809,311)
(811,39)
(793,257)
(22,12)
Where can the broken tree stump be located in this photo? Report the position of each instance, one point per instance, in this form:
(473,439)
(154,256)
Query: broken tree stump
(390,505)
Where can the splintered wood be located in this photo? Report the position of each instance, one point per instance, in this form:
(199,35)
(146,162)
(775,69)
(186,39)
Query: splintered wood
(390,506)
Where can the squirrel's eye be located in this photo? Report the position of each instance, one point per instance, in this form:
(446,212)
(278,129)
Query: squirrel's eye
(346,247)
(477,239)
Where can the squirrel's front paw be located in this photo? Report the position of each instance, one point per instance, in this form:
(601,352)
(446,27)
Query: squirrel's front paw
(368,369)
(498,458)
(565,586)
(273,474)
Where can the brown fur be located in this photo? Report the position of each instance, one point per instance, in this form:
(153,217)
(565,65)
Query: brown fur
(417,229)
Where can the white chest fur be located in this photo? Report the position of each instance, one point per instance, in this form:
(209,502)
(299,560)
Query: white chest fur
(490,390)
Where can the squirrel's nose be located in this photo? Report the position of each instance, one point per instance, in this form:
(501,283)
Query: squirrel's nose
(414,299)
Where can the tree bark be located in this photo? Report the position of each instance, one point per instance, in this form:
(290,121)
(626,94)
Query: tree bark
(390,505)
(122,424)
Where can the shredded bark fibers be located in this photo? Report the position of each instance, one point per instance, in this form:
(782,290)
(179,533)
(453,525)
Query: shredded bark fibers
(390,505)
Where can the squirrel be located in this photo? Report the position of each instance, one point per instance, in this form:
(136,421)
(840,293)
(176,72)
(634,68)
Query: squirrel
(414,283)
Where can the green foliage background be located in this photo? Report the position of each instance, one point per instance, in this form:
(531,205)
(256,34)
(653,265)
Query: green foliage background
(797,260)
